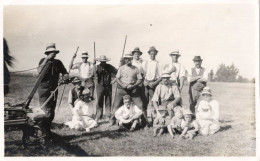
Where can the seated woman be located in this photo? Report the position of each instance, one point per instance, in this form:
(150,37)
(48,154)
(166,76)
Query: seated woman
(207,113)
(80,103)
(128,115)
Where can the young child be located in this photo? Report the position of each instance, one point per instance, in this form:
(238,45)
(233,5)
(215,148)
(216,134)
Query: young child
(189,126)
(207,113)
(175,124)
(80,104)
(161,121)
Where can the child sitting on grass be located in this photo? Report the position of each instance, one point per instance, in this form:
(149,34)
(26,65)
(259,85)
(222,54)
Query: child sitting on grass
(161,121)
(128,115)
(175,124)
(189,126)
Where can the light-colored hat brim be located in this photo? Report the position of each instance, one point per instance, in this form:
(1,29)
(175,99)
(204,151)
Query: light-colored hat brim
(104,60)
(166,76)
(84,56)
(50,51)
(206,93)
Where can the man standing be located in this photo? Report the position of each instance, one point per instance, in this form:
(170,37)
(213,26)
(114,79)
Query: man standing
(48,84)
(86,73)
(103,84)
(152,74)
(176,70)
(197,77)
(166,94)
(128,78)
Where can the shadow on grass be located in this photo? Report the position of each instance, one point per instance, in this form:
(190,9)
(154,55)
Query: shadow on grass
(226,121)
(225,128)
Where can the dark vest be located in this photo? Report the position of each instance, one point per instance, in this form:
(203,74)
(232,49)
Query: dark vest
(75,96)
(104,75)
(194,73)
(197,85)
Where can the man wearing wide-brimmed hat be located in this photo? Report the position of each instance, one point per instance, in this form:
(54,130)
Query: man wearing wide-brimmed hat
(128,78)
(86,72)
(166,94)
(197,77)
(103,74)
(152,74)
(49,83)
(176,69)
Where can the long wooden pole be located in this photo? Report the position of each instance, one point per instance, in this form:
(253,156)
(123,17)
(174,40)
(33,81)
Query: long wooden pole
(117,83)
(71,64)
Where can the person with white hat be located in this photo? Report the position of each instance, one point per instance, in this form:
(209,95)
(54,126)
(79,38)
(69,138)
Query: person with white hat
(128,115)
(80,103)
(128,78)
(189,125)
(166,94)
(103,74)
(176,69)
(48,84)
(86,73)
(197,78)
(207,113)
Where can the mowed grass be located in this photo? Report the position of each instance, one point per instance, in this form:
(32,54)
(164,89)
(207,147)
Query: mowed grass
(236,137)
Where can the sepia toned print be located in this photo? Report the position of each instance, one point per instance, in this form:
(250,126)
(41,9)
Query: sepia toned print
(130,80)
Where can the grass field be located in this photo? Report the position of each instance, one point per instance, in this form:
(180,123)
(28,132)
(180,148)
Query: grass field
(236,137)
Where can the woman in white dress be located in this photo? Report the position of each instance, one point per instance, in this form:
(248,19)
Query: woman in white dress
(207,114)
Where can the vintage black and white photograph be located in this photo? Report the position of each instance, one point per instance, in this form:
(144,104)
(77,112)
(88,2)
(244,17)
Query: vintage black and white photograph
(151,79)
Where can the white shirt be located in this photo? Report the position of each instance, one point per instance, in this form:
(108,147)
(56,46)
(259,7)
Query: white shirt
(180,71)
(138,64)
(151,70)
(205,74)
(208,110)
(124,111)
(85,69)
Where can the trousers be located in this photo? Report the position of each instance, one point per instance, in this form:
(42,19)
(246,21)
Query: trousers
(104,93)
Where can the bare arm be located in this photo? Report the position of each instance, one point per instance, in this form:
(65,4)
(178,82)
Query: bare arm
(120,83)
(181,83)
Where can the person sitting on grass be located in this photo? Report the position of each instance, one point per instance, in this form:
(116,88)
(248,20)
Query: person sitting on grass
(207,113)
(161,121)
(189,126)
(80,103)
(128,115)
(175,125)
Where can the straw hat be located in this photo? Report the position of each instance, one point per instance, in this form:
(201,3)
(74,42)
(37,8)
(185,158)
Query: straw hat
(129,55)
(197,58)
(102,58)
(165,75)
(84,55)
(176,52)
(153,49)
(187,112)
(206,90)
(137,50)
(76,80)
(51,48)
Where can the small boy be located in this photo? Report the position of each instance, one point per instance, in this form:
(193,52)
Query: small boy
(175,124)
(161,121)
(189,126)
(128,115)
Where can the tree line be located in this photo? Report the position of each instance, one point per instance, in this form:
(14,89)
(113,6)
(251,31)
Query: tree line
(228,73)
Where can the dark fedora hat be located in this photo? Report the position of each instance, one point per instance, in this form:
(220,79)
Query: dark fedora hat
(152,49)
(137,50)
(197,58)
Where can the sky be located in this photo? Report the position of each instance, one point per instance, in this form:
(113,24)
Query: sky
(219,33)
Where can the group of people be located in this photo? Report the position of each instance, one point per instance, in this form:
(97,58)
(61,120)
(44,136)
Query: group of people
(140,85)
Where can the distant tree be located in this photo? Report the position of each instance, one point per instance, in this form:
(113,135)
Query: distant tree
(252,80)
(226,73)
(242,79)
(211,75)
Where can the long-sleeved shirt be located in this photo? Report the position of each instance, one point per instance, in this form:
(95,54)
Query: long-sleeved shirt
(198,73)
(123,111)
(165,93)
(151,70)
(85,69)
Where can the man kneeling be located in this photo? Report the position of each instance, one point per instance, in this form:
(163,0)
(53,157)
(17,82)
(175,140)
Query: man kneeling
(128,115)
